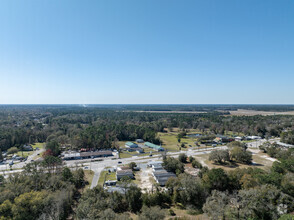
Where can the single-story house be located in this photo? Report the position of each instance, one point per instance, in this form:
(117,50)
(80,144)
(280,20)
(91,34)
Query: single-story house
(131,145)
(123,168)
(154,146)
(110,183)
(157,167)
(139,140)
(138,149)
(27,148)
(151,163)
(162,176)
(122,173)
(238,138)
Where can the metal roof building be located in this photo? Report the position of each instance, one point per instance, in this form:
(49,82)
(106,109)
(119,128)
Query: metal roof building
(122,173)
(154,146)
(131,145)
(162,176)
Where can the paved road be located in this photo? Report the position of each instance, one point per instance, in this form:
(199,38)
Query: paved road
(21,164)
(98,166)
(96,176)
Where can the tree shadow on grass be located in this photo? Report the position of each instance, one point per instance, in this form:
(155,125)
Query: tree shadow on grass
(236,165)
(228,165)
(256,164)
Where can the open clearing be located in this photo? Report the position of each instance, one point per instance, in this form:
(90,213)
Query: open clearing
(258,161)
(245,112)
(28,153)
(105,175)
(89,174)
(178,112)
(145,182)
(170,141)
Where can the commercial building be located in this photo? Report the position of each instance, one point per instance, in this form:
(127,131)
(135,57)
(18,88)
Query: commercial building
(131,145)
(154,146)
(86,155)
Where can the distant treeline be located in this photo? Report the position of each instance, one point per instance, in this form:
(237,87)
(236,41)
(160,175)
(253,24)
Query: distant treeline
(99,128)
(152,107)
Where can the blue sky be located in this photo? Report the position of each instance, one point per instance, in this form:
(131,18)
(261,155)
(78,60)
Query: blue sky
(146,51)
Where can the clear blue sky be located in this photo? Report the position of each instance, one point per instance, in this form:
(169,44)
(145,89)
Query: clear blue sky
(146,51)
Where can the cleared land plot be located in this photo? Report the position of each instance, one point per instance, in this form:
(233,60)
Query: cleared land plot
(245,112)
(178,112)
(89,174)
(170,141)
(183,214)
(28,153)
(145,180)
(258,161)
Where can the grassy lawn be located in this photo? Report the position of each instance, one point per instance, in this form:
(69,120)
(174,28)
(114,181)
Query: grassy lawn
(267,164)
(260,163)
(38,145)
(109,176)
(89,174)
(28,153)
(24,153)
(125,155)
(137,179)
(170,141)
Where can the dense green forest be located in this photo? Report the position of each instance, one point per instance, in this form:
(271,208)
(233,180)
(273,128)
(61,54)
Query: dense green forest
(49,190)
(39,193)
(251,193)
(101,127)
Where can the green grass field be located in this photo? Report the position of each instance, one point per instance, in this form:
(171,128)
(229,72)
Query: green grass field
(38,145)
(109,176)
(89,174)
(28,153)
(170,141)
(257,158)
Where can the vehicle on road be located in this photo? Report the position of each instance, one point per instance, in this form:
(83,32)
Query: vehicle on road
(119,162)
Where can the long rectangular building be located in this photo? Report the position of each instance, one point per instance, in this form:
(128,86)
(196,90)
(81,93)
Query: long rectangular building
(161,176)
(154,146)
(87,155)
